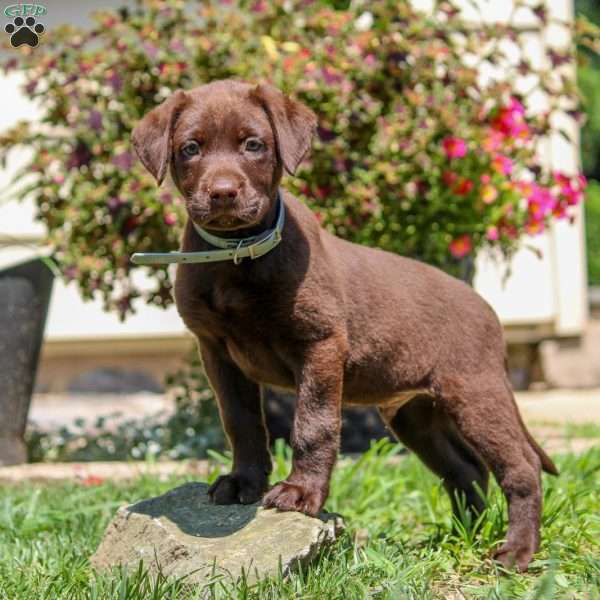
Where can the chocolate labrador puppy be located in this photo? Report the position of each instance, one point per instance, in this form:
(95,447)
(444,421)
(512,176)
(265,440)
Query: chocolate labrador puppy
(337,322)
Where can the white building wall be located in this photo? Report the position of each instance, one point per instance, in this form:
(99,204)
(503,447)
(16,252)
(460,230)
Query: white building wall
(550,291)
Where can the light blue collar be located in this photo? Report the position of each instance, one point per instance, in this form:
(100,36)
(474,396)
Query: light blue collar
(230,248)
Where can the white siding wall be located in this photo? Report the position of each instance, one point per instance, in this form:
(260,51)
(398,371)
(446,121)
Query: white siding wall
(551,290)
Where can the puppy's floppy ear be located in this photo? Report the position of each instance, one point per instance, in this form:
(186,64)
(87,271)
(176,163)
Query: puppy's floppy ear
(293,123)
(152,136)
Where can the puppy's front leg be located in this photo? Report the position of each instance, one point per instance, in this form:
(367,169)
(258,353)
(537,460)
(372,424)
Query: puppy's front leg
(316,431)
(240,406)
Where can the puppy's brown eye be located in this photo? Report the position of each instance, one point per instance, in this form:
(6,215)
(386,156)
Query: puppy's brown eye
(190,149)
(253,145)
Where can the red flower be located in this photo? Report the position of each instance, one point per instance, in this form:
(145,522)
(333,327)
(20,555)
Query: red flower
(449,178)
(463,187)
(534,227)
(91,480)
(461,246)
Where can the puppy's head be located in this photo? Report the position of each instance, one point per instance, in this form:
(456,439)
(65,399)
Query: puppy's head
(226,144)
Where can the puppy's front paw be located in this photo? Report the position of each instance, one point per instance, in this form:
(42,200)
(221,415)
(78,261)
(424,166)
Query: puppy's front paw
(237,488)
(305,498)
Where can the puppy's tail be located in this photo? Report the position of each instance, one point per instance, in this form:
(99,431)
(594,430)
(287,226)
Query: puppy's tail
(547,465)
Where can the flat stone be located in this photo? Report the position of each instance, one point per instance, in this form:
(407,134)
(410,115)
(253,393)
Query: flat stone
(181,534)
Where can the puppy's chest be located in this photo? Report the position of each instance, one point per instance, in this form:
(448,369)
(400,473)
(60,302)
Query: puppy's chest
(225,307)
(232,302)
(222,310)
(252,333)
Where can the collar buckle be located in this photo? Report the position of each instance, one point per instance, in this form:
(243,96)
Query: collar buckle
(237,259)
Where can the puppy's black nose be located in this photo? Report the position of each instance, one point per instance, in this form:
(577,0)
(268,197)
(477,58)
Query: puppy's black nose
(224,189)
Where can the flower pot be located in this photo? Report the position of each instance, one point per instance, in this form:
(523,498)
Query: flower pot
(24,298)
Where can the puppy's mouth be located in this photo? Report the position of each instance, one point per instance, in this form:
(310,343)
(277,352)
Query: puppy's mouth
(226,223)
(226,218)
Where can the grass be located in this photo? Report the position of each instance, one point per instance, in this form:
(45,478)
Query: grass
(582,430)
(398,543)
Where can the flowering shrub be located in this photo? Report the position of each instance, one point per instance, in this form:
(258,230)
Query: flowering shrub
(490,187)
(415,153)
(190,431)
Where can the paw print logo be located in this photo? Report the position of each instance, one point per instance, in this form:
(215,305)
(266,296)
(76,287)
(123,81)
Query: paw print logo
(24,31)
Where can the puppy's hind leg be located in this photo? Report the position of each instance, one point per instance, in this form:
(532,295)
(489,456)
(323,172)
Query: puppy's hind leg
(484,411)
(424,427)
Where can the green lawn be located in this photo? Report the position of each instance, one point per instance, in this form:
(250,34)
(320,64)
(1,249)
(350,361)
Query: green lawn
(398,542)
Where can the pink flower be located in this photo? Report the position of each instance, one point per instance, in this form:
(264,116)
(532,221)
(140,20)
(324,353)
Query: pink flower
(170,219)
(165,198)
(123,161)
(540,200)
(370,60)
(492,234)
(511,120)
(502,164)
(493,141)
(95,120)
(454,147)
(460,246)
(516,107)
(331,76)
(572,195)
(571,189)
(485,179)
